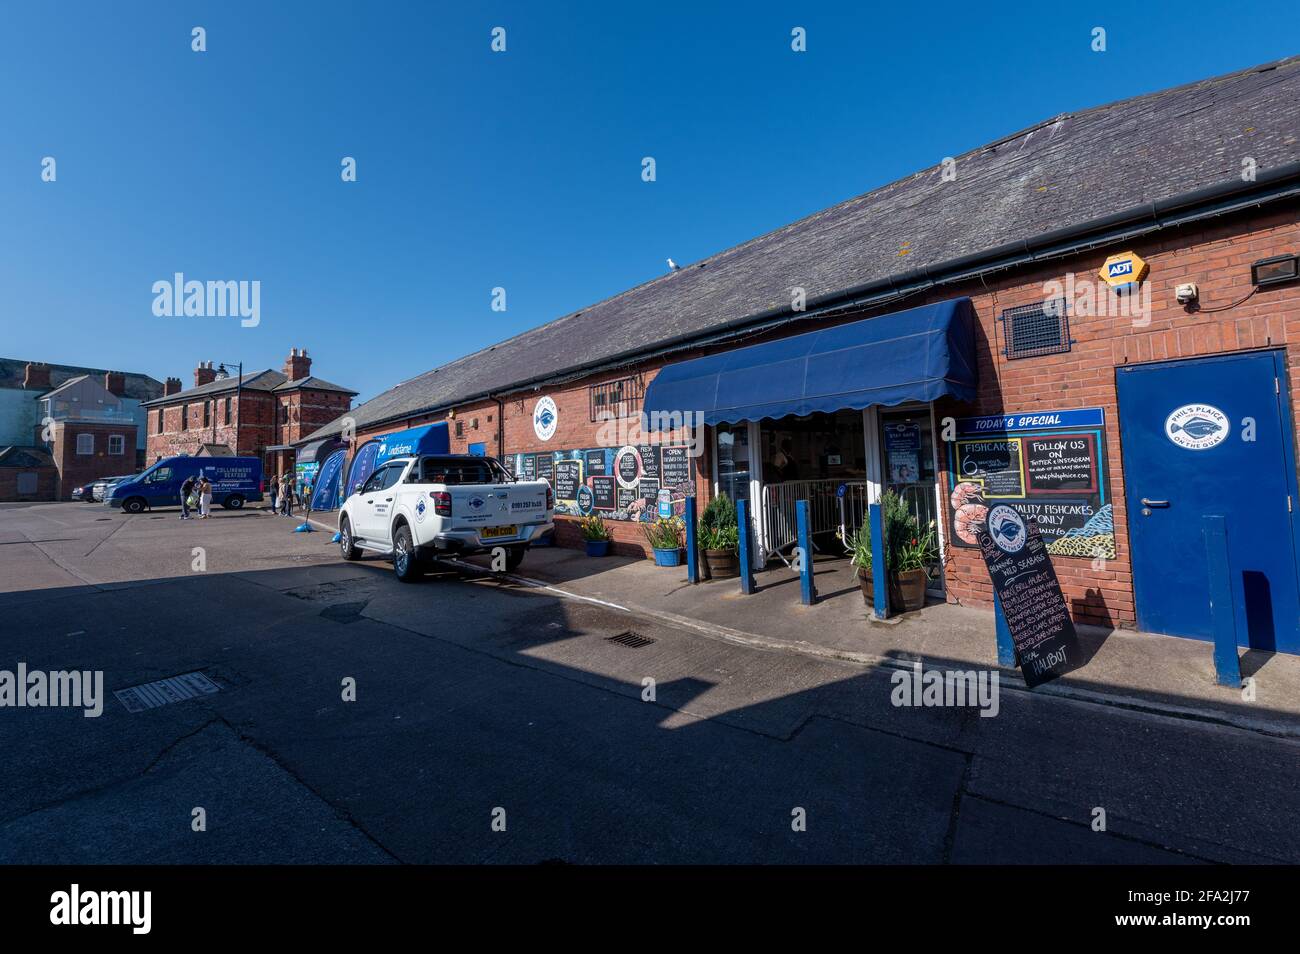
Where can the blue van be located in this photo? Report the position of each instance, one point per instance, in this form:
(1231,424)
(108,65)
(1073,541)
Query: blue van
(235,482)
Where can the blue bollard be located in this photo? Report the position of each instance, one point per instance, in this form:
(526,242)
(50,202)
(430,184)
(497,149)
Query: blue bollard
(692,552)
(746,570)
(807,588)
(879,572)
(1006,646)
(1223,614)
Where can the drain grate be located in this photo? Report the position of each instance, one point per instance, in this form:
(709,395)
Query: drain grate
(188,685)
(630,639)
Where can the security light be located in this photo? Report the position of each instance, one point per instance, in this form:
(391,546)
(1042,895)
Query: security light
(1275,271)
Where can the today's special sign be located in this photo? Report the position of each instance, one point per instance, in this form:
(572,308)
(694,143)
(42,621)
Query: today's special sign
(1046,643)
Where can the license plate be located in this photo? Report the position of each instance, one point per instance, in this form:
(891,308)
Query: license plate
(488,533)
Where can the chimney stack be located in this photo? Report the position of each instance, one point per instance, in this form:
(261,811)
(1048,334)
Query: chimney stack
(297,365)
(37,376)
(115,383)
(204,374)
(171,386)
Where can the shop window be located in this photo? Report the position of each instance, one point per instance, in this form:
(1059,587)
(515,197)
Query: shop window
(1029,331)
(615,399)
(85,444)
(116,444)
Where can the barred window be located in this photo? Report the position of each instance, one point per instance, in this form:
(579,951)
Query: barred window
(615,399)
(1029,331)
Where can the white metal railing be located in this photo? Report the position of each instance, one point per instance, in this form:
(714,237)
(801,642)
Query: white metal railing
(827,511)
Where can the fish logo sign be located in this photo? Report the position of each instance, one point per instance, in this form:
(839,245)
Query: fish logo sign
(420,508)
(545,417)
(476,502)
(1007,528)
(1197,427)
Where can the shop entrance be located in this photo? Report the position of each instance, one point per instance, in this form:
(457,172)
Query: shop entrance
(1212,436)
(908,469)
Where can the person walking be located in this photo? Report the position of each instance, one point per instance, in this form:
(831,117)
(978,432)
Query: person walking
(275,485)
(286,495)
(205,498)
(187,488)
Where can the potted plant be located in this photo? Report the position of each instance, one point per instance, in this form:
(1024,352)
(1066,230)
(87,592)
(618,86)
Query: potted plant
(719,537)
(665,537)
(596,535)
(909,552)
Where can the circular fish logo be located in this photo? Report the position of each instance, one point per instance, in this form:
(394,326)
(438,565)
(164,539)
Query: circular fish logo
(545,417)
(420,508)
(1197,426)
(1007,528)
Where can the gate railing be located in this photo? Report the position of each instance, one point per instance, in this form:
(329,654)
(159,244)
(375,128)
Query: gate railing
(826,511)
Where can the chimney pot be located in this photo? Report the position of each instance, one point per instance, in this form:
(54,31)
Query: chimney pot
(204,374)
(36,376)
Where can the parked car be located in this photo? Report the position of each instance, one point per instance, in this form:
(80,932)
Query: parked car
(100,489)
(81,493)
(413,509)
(235,481)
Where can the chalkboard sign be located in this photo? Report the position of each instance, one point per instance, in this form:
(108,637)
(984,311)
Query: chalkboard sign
(627,466)
(649,488)
(603,489)
(568,478)
(649,459)
(627,496)
(1061,464)
(1030,595)
(675,466)
(1050,466)
(595,462)
(527,468)
(584,500)
(545,465)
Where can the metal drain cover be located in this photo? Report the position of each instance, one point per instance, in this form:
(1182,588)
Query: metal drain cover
(188,685)
(630,639)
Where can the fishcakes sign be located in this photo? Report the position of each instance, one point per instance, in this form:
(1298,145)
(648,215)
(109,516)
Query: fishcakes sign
(1048,466)
(1029,594)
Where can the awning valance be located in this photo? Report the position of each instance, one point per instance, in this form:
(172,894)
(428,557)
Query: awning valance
(915,355)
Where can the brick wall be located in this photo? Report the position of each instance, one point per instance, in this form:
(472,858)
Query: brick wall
(47,483)
(77,469)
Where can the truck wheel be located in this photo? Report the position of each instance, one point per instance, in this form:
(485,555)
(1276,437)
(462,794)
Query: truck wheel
(406,564)
(134,505)
(233,502)
(346,546)
(514,557)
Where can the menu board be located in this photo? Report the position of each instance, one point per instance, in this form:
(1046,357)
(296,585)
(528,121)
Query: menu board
(595,461)
(545,468)
(675,466)
(603,490)
(649,454)
(1030,595)
(527,469)
(627,499)
(1049,466)
(648,488)
(568,478)
(902,452)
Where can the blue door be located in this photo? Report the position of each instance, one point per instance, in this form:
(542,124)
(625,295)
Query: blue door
(1211,436)
(478,450)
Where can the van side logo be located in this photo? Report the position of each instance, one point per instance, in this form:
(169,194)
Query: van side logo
(1197,426)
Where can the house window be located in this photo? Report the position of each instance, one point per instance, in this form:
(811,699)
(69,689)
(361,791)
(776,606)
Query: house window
(116,444)
(615,399)
(158,425)
(207,413)
(227,421)
(85,444)
(1032,330)
(185,417)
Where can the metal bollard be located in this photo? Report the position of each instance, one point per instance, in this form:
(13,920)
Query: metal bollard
(747,584)
(692,551)
(807,586)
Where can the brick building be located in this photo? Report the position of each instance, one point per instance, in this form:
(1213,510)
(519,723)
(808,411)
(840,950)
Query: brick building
(260,414)
(1018,320)
(62,426)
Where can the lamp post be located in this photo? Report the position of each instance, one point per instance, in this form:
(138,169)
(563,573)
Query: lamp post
(222,374)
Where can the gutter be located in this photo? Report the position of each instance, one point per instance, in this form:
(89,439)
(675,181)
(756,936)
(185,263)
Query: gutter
(1273,185)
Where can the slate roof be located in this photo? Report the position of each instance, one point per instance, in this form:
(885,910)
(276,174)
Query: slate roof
(313,383)
(266,380)
(1072,169)
(19,456)
(139,387)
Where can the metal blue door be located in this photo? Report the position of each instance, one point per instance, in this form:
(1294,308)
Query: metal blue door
(1211,436)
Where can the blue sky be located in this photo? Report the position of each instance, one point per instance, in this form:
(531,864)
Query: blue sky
(476,169)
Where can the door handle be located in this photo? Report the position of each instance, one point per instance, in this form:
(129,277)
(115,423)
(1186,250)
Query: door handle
(1154,503)
(388,500)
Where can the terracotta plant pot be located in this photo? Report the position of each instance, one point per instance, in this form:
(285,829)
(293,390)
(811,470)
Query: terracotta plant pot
(722,563)
(911,589)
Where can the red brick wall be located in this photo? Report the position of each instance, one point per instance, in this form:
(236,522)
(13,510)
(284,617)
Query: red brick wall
(77,469)
(47,483)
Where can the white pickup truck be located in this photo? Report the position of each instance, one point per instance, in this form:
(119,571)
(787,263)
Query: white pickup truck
(413,509)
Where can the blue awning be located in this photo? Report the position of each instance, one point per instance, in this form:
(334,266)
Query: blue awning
(915,355)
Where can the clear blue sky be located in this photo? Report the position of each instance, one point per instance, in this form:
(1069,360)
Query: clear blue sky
(478,169)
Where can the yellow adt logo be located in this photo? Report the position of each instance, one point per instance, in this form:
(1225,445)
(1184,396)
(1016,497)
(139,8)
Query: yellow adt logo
(1124,269)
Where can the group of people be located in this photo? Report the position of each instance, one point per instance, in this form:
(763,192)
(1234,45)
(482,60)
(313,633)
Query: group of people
(283,493)
(196,494)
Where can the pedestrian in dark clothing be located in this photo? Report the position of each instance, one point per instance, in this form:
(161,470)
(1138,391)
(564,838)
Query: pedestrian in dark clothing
(187,488)
(275,484)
